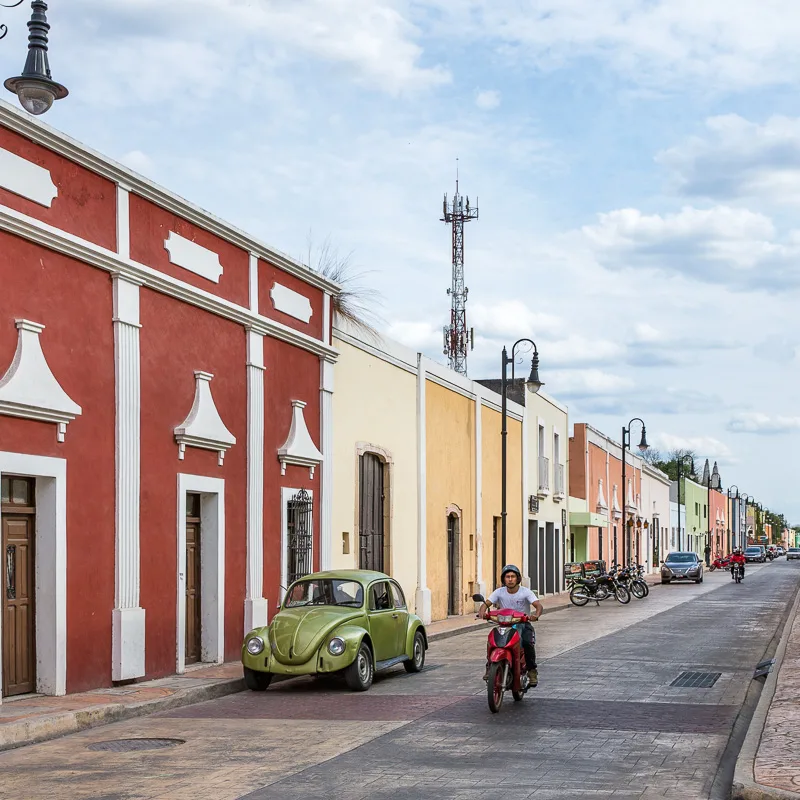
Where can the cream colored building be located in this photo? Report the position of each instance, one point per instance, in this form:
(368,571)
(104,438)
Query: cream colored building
(656,511)
(417,474)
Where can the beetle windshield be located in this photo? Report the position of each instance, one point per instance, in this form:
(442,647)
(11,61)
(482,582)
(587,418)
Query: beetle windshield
(327,592)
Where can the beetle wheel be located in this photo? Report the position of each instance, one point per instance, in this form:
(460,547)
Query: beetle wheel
(360,673)
(417,661)
(256,681)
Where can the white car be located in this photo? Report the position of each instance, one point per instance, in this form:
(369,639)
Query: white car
(793,552)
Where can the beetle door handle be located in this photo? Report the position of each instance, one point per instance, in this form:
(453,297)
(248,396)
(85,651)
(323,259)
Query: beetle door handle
(394,616)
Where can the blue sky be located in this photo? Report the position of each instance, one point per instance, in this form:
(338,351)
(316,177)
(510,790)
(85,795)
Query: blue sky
(637,164)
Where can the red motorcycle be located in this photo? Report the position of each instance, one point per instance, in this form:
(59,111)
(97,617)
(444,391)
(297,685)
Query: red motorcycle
(505,655)
(720,563)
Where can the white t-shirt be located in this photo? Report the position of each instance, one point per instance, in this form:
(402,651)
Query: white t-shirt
(518,601)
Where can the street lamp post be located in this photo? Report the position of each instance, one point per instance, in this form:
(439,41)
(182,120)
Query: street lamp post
(731,516)
(533,384)
(680,461)
(35,88)
(626,443)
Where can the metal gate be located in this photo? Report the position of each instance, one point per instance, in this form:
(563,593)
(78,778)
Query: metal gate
(371,534)
(299,544)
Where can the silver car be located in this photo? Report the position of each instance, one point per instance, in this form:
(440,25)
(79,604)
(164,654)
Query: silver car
(682,567)
(793,552)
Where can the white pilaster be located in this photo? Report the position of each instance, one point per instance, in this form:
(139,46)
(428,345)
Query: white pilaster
(128,619)
(326,318)
(254,283)
(326,425)
(423,598)
(526,580)
(123,221)
(480,586)
(255,605)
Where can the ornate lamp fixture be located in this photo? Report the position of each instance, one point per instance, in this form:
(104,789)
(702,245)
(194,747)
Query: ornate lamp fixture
(35,88)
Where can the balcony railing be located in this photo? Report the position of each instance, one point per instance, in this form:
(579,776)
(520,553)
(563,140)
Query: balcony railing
(544,475)
(558,476)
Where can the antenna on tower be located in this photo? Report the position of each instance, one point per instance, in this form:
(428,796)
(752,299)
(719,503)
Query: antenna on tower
(456,336)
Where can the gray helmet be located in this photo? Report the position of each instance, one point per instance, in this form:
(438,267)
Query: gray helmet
(510,568)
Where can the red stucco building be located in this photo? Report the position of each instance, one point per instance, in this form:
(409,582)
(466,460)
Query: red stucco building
(165,403)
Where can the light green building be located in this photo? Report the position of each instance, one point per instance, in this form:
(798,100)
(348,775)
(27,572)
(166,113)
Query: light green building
(694,520)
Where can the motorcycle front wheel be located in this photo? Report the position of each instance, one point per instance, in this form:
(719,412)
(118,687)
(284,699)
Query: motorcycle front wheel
(622,594)
(496,686)
(637,591)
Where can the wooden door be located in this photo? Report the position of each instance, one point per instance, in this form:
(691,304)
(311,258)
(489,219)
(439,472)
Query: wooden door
(371,533)
(453,562)
(18,572)
(193,616)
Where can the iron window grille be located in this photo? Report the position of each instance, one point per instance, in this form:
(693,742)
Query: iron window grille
(299,535)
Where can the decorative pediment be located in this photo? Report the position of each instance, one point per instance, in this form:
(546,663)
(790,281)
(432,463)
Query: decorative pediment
(616,510)
(29,389)
(630,498)
(299,448)
(204,427)
(602,506)
(291,302)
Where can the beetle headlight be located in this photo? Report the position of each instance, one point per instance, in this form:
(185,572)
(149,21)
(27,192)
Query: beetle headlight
(255,645)
(336,646)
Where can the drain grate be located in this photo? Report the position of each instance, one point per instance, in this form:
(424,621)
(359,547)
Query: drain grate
(696,680)
(129,745)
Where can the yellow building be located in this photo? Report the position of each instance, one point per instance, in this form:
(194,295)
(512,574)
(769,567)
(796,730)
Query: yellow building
(417,457)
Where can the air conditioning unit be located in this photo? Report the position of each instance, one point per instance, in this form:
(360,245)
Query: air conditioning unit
(533,504)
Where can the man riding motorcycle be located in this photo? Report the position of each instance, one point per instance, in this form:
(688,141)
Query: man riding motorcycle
(738,558)
(514,596)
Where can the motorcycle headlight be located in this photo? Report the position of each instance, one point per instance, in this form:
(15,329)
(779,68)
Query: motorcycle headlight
(255,645)
(336,646)
(505,619)
(503,631)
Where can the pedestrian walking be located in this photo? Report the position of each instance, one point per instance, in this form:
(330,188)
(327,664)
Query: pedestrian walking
(708,555)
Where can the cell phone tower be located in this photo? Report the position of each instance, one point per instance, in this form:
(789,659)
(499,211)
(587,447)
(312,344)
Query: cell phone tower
(456,335)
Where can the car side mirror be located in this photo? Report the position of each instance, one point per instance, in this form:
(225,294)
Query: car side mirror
(478,598)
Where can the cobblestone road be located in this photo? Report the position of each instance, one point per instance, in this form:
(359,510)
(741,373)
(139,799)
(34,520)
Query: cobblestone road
(604,721)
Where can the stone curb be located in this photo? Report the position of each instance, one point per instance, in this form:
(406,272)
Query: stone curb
(52,726)
(745,786)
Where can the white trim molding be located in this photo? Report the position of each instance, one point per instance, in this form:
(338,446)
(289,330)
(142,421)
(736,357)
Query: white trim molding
(51,565)
(326,426)
(123,222)
(29,389)
(256,609)
(204,427)
(189,255)
(286,495)
(481,583)
(290,302)
(26,179)
(212,568)
(423,593)
(128,618)
(299,449)
(253,282)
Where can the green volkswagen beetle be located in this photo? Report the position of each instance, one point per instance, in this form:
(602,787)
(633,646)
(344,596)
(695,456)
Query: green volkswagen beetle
(352,622)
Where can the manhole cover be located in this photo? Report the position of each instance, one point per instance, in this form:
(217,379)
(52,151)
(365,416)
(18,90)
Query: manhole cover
(127,745)
(696,680)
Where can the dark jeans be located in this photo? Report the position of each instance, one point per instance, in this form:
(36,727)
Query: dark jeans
(741,567)
(708,558)
(528,644)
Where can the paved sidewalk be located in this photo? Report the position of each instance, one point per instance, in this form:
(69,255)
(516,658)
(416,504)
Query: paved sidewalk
(38,718)
(768,767)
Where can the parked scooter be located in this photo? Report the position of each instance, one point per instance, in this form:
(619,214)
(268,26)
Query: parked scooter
(720,563)
(507,670)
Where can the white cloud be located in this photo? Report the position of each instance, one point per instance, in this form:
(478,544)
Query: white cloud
(139,162)
(644,332)
(510,319)
(487,99)
(655,43)
(705,447)
(418,336)
(585,383)
(719,244)
(739,159)
(755,422)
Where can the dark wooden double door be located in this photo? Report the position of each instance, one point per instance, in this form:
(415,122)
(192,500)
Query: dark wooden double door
(192,652)
(18,573)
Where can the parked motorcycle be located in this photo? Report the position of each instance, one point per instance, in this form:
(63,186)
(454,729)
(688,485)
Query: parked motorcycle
(507,669)
(600,588)
(720,563)
(633,579)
